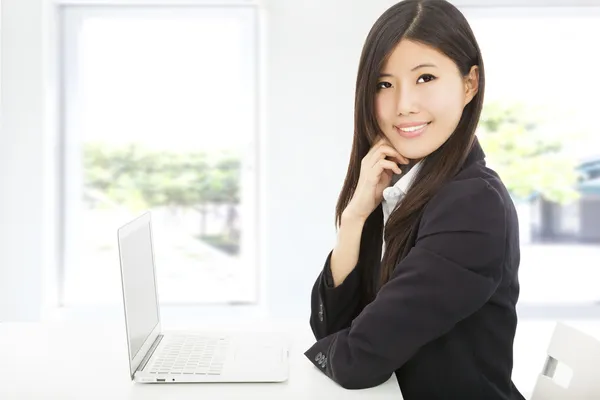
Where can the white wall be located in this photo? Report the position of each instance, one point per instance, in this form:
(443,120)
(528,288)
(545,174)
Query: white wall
(25,152)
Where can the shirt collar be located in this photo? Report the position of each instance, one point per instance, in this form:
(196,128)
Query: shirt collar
(406,180)
(399,189)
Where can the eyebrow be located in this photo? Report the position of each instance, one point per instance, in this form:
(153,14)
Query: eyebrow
(383,75)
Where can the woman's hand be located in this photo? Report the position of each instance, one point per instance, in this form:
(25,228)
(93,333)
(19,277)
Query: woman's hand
(376,171)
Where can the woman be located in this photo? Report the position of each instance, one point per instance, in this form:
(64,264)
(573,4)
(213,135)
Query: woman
(423,280)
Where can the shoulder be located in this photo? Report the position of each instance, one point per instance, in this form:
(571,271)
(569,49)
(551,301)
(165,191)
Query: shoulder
(475,200)
(475,188)
(467,221)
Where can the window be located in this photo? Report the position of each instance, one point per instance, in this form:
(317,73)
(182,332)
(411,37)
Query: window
(539,134)
(160,112)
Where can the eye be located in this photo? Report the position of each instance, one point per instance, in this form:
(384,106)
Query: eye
(384,85)
(427,77)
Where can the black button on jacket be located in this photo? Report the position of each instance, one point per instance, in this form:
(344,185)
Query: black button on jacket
(445,322)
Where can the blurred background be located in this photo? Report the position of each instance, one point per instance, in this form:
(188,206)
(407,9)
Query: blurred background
(232,122)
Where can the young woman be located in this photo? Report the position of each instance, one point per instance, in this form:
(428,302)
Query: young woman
(423,280)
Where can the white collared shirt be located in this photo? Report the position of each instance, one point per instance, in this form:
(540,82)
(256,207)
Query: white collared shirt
(393,195)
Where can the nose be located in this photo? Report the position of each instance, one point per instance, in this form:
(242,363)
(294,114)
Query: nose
(406,102)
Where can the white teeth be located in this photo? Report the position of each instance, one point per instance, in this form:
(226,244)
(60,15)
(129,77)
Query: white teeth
(413,128)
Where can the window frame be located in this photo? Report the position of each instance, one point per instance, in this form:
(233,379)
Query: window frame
(68,146)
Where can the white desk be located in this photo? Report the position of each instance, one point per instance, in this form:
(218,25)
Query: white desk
(69,361)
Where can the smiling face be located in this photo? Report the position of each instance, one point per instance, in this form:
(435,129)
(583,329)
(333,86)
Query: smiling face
(420,98)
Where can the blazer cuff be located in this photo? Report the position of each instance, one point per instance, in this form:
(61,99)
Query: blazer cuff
(338,302)
(347,287)
(319,353)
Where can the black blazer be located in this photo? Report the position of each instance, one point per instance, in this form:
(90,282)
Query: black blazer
(446,320)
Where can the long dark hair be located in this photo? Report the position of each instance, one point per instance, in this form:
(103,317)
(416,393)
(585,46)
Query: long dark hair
(440,25)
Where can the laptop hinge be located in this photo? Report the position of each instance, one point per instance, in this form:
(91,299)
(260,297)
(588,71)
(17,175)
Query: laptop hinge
(149,353)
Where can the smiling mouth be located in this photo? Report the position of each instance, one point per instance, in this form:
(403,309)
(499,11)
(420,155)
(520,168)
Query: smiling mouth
(413,131)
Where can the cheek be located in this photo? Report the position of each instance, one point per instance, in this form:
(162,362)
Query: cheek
(447,107)
(381,108)
(382,112)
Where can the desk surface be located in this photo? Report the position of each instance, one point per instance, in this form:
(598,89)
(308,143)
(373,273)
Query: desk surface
(89,361)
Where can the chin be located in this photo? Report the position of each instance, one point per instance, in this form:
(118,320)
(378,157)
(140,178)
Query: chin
(414,154)
(414,151)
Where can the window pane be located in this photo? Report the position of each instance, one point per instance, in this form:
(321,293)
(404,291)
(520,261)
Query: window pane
(538,132)
(160,114)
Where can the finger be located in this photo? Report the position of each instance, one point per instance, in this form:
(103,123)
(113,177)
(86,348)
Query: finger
(387,164)
(377,146)
(404,160)
(401,159)
(390,153)
(381,140)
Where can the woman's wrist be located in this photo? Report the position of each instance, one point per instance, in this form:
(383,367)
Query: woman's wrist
(349,216)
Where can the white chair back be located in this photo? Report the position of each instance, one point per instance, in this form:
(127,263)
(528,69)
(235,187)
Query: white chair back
(572,367)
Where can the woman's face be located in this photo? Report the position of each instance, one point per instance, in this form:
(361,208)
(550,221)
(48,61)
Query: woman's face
(420,98)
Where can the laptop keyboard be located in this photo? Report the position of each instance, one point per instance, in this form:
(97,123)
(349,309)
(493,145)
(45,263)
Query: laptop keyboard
(191,355)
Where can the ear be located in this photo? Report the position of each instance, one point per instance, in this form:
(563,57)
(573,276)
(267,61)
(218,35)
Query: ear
(471,84)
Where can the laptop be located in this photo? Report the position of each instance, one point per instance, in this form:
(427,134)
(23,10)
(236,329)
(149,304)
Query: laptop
(171,357)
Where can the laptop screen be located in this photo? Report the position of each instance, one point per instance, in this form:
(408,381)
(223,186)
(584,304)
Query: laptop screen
(139,292)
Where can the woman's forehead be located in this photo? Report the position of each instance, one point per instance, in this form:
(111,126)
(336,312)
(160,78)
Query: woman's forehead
(409,55)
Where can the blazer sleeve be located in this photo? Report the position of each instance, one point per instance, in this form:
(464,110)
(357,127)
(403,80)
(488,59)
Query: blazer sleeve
(333,308)
(450,273)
